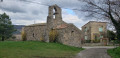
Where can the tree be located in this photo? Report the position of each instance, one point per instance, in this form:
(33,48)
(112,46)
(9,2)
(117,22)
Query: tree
(6,27)
(1,0)
(104,9)
(53,34)
(111,35)
(23,35)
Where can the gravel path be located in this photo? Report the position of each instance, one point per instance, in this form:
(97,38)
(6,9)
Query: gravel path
(93,53)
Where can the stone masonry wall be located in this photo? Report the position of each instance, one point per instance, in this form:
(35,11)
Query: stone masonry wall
(34,32)
(70,36)
(93,29)
(53,22)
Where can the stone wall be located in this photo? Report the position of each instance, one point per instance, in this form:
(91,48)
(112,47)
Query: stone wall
(93,30)
(35,32)
(70,35)
(86,32)
(52,22)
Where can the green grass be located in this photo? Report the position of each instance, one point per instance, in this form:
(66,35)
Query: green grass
(36,49)
(115,53)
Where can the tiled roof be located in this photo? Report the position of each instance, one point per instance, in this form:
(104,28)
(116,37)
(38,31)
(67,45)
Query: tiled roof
(61,26)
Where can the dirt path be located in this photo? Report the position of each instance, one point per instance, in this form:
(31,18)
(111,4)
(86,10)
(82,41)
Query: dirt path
(93,53)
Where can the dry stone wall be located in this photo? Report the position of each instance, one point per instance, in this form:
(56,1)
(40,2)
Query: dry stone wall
(35,33)
(70,36)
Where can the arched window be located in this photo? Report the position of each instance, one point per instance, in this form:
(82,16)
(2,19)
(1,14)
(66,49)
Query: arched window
(33,34)
(53,13)
(72,33)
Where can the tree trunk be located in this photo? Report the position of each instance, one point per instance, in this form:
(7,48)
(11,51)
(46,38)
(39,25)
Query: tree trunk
(119,42)
(118,32)
(117,26)
(3,38)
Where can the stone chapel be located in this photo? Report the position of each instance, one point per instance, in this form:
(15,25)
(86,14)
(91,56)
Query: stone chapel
(68,33)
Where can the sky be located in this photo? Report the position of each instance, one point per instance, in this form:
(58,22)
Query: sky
(26,12)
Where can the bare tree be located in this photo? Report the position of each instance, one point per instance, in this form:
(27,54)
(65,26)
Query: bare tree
(104,9)
(1,0)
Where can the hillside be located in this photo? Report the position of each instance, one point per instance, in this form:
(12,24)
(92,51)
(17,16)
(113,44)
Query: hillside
(19,28)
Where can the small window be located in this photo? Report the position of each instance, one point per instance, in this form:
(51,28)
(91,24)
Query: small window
(100,29)
(72,33)
(33,35)
(86,29)
(101,36)
(86,37)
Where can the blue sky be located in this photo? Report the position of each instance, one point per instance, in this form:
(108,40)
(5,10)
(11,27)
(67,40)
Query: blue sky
(69,11)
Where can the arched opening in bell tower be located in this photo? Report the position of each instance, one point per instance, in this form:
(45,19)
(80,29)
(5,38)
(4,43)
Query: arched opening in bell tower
(53,13)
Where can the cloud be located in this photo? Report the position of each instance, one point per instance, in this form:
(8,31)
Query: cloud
(69,4)
(24,12)
(26,22)
(12,6)
(75,20)
(71,18)
(20,10)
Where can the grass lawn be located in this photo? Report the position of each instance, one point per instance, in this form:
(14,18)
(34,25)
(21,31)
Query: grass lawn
(115,53)
(36,49)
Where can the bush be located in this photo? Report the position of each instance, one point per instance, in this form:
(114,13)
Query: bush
(116,41)
(42,39)
(115,53)
(13,37)
(53,35)
(87,41)
(96,41)
(0,38)
(24,36)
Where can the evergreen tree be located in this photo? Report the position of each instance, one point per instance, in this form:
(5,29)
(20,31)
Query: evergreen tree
(6,27)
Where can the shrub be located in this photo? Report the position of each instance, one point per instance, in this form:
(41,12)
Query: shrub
(24,36)
(115,53)
(13,37)
(42,39)
(0,38)
(87,41)
(96,40)
(53,35)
